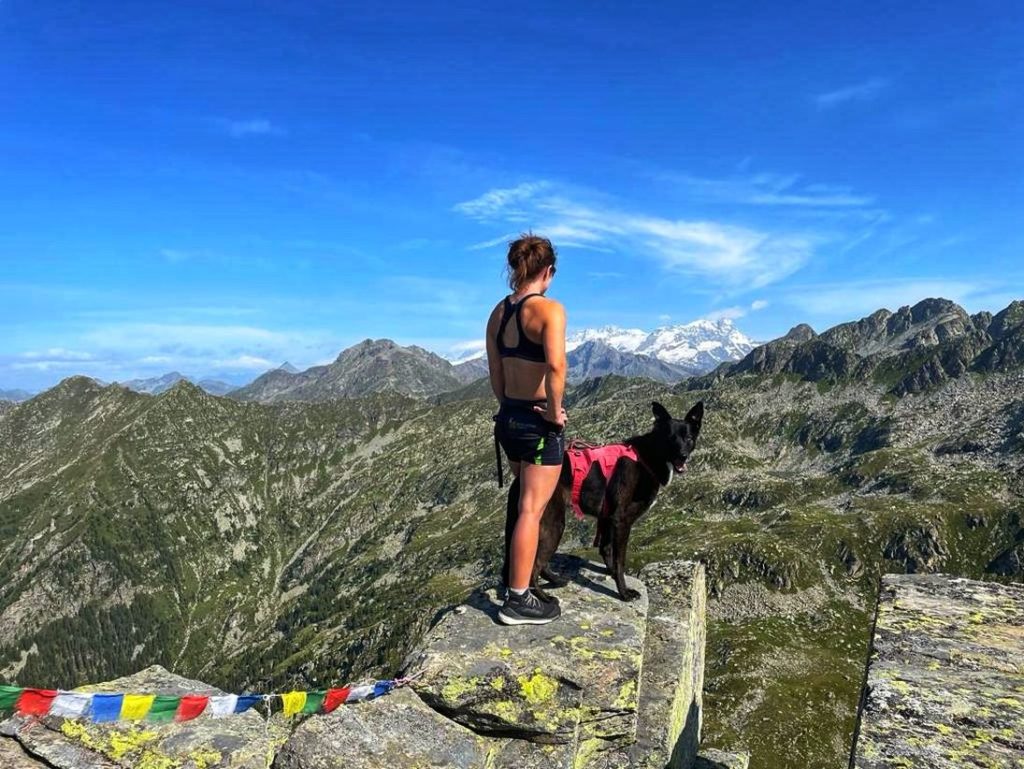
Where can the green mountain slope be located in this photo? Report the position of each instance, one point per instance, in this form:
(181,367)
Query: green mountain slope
(253,544)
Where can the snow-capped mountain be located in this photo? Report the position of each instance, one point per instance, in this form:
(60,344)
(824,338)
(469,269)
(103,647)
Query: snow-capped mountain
(621,339)
(695,347)
(702,344)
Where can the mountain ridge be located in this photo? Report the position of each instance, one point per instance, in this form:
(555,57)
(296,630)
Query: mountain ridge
(373,365)
(910,350)
(158,384)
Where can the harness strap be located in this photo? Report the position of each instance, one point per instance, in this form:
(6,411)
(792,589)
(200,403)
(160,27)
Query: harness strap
(497,453)
(578,444)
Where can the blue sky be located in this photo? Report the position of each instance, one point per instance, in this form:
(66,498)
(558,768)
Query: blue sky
(216,187)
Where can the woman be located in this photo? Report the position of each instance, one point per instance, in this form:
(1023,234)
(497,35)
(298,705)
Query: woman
(526,360)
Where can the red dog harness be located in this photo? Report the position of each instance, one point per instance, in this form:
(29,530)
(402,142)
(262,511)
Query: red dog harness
(582,457)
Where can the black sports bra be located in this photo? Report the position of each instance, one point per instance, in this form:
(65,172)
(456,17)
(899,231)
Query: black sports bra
(526,348)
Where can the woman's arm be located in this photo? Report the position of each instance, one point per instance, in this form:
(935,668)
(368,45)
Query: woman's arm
(494,369)
(554,352)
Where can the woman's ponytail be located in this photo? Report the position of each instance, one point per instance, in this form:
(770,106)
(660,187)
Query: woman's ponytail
(528,256)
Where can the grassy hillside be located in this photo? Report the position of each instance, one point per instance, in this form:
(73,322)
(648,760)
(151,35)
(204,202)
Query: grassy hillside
(255,545)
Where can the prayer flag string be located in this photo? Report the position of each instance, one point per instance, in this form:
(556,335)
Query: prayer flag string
(101,707)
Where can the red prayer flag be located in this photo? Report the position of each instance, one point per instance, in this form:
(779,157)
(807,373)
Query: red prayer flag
(35,702)
(334,698)
(191,706)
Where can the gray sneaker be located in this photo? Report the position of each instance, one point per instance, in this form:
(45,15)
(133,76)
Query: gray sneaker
(527,609)
(503,593)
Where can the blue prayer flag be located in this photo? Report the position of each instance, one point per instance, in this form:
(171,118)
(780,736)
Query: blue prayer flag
(246,701)
(106,707)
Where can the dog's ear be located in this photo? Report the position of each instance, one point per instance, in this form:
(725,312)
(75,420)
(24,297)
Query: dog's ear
(660,412)
(696,417)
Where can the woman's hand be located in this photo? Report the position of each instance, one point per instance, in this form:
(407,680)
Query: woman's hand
(558,418)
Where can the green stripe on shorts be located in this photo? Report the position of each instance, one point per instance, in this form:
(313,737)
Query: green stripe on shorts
(540,451)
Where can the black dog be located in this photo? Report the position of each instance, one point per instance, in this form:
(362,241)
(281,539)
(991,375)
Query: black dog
(617,502)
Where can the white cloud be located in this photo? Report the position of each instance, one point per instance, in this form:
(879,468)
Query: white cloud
(245,362)
(585,247)
(249,127)
(767,189)
(865,91)
(727,313)
(501,240)
(735,312)
(502,203)
(57,355)
(41,365)
(728,254)
(174,255)
(146,336)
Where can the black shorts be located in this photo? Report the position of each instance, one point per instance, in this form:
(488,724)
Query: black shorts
(526,436)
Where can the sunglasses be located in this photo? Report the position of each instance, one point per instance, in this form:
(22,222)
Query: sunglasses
(553,270)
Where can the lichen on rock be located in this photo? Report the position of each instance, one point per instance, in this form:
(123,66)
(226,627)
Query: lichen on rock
(943,686)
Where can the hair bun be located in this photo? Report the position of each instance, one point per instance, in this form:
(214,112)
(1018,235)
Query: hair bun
(527,257)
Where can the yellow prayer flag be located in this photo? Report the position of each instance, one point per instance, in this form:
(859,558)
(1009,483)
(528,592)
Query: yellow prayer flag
(135,707)
(293,703)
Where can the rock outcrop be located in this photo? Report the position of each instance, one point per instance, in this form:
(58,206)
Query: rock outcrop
(945,681)
(611,685)
(716,759)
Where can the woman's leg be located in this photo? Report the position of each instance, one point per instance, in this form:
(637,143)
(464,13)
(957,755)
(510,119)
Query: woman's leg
(536,485)
(511,516)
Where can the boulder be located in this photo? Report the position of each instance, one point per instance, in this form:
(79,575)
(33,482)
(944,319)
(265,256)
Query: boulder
(944,681)
(575,679)
(393,731)
(13,756)
(717,759)
(672,686)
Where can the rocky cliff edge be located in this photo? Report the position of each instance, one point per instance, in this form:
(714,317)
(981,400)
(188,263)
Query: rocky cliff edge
(608,686)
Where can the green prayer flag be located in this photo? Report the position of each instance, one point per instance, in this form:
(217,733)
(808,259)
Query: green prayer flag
(313,701)
(163,709)
(9,696)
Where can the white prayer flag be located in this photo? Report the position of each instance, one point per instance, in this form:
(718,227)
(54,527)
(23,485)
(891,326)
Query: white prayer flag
(70,704)
(359,693)
(223,706)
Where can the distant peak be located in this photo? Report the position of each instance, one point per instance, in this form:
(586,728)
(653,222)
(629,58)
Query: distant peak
(288,368)
(371,344)
(800,333)
(79,381)
(933,307)
(184,386)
